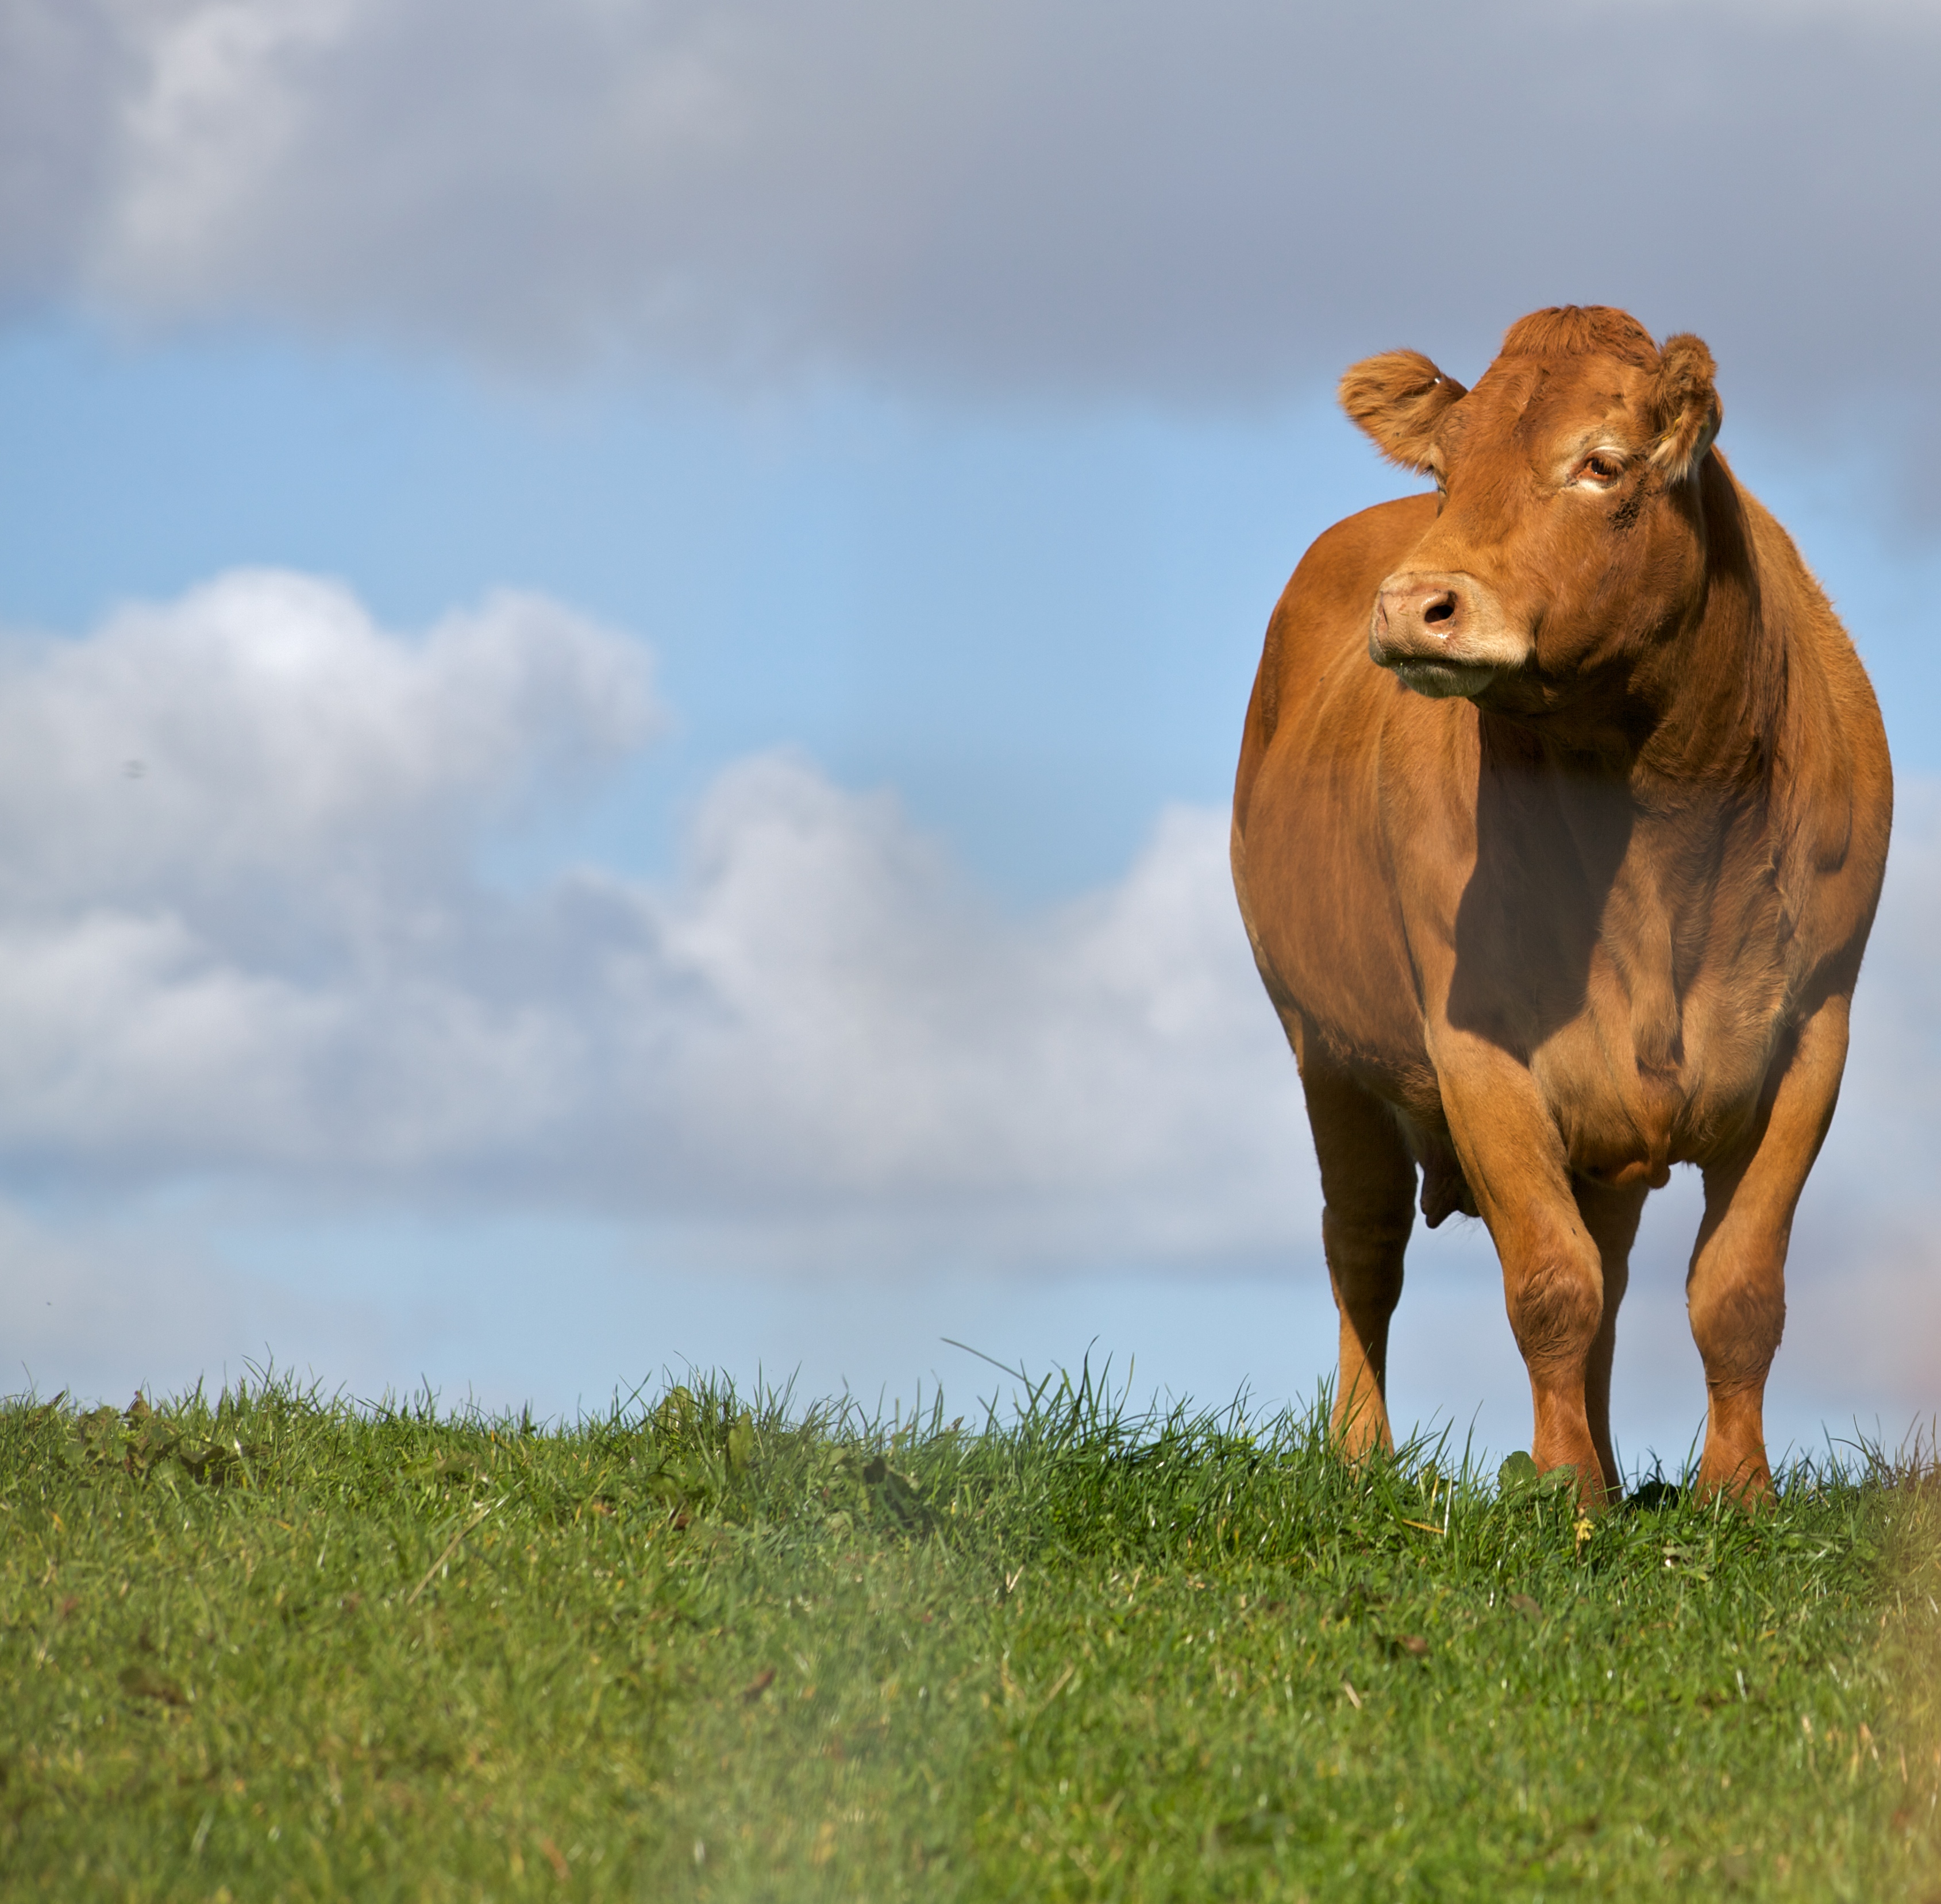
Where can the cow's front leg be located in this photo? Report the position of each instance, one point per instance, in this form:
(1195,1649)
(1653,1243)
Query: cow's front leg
(1736,1291)
(1513,1155)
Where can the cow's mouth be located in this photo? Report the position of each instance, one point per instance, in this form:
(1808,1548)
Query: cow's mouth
(1443,681)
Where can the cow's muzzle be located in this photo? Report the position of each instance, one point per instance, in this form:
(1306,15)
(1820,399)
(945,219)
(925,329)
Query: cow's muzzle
(1443,634)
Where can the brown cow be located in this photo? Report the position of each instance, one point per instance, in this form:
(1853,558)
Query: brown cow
(1562,810)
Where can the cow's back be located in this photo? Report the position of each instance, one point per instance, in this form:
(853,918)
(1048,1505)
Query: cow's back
(1336,756)
(1834,778)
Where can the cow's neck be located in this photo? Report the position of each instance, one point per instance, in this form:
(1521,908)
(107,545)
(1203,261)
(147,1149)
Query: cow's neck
(1689,710)
(1643,820)
(1700,783)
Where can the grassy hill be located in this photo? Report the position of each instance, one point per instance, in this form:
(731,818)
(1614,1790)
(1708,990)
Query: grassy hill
(281,1647)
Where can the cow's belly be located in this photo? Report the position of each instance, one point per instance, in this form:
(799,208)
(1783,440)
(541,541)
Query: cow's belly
(1331,944)
(1363,1010)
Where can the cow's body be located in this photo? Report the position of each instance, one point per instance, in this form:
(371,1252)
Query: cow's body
(1590,903)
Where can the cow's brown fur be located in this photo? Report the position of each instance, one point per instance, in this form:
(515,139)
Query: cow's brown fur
(1590,903)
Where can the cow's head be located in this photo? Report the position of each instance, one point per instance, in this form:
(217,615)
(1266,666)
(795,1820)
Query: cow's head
(1568,540)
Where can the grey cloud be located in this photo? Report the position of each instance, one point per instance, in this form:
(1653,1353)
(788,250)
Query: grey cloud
(1204,203)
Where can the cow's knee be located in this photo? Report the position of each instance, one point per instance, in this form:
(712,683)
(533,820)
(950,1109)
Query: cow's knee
(1737,1326)
(1555,1308)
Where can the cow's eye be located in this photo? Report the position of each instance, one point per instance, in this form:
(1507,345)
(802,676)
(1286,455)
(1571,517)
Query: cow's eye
(1601,471)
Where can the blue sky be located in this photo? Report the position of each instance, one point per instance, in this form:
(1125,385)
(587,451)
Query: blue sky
(703,844)
(1034,620)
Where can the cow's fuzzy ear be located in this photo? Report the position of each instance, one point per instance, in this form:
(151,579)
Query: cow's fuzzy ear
(1688,406)
(1398,399)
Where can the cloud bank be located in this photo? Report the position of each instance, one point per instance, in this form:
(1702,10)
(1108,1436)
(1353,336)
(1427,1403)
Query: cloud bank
(1206,203)
(245,931)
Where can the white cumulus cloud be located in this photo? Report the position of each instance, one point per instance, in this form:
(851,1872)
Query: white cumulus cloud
(236,870)
(243,933)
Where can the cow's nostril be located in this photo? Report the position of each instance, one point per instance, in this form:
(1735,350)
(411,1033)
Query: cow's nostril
(1439,608)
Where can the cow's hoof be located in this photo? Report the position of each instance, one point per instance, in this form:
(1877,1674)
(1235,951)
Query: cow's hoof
(1747,1485)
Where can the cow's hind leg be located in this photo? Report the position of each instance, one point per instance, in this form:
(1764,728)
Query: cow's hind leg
(1736,1290)
(1367,1180)
(1611,1216)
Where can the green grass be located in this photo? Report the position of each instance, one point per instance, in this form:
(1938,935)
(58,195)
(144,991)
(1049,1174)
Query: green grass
(280,1647)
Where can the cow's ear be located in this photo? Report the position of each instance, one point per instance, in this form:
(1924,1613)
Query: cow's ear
(1688,412)
(1398,399)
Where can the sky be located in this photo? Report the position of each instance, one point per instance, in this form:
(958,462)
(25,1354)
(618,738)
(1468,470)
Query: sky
(623,629)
